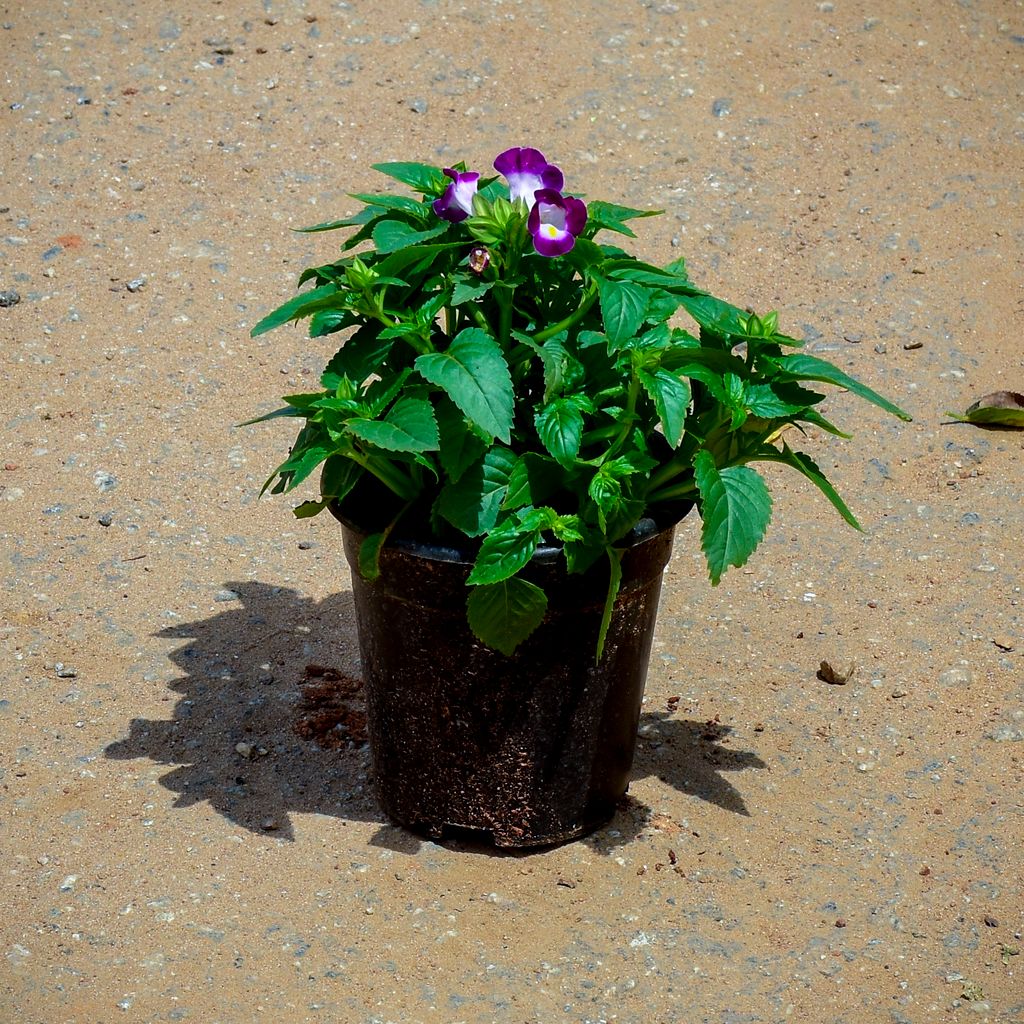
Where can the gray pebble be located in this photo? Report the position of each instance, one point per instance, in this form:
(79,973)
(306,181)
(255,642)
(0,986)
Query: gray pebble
(104,481)
(970,519)
(225,595)
(305,545)
(9,298)
(105,519)
(418,106)
(135,284)
(956,676)
(721,107)
(65,671)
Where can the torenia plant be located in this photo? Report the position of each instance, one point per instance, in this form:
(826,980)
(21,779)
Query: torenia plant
(509,379)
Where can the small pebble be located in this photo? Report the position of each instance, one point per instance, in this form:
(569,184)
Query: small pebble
(9,298)
(306,545)
(269,825)
(721,107)
(105,519)
(991,922)
(65,671)
(135,284)
(418,106)
(956,676)
(225,595)
(243,749)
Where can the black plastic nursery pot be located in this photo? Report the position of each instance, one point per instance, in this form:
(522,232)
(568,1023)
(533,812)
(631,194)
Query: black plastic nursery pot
(523,750)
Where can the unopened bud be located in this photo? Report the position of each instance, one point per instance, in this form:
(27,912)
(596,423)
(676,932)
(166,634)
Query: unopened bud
(479,259)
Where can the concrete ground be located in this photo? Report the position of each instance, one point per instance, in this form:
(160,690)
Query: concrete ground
(181,842)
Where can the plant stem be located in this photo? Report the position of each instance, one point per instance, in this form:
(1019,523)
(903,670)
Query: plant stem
(389,475)
(573,318)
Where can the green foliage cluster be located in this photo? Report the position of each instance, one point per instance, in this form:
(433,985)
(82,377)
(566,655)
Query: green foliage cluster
(515,399)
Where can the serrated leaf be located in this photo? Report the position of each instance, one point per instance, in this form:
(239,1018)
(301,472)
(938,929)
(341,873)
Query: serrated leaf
(472,503)
(504,614)
(461,446)
(771,401)
(361,355)
(623,307)
(391,235)
(533,480)
(504,551)
(560,428)
(611,217)
(805,465)
(714,314)
(420,177)
(409,426)
(735,507)
(303,304)
(798,367)
(468,290)
(671,397)
(473,371)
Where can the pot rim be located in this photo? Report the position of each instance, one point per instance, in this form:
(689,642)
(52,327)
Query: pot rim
(648,526)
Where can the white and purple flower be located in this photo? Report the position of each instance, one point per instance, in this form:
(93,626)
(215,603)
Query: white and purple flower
(457,202)
(527,172)
(555,222)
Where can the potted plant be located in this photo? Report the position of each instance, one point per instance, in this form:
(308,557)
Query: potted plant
(511,427)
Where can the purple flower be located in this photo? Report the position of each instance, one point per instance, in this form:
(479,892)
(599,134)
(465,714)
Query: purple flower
(457,202)
(556,222)
(527,172)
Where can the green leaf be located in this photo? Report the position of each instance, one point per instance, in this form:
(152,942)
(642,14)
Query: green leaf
(533,480)
(339,475)
(472,503)
(504,551)
(360,356)
(623,306)
(1001,408)
(805,465)
(409,426)
(391,235)
(308,509)
(468,290)
(779,400)
(612,217)
(671,398)
(414,207)
(473,371)
(714,314)
(504,614)
(327,321)
(798,367)
(420,177)
(560,428)
(735,507)
(305,457)
(303,304)
(614,582)
(369,555)
(461,446)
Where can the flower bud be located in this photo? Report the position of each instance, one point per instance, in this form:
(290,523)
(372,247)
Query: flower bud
(479,259)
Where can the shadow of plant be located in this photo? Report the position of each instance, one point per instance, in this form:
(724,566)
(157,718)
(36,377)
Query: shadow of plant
(268,724)
(233,735)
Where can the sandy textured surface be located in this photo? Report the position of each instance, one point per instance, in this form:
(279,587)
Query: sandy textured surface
(173,849)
